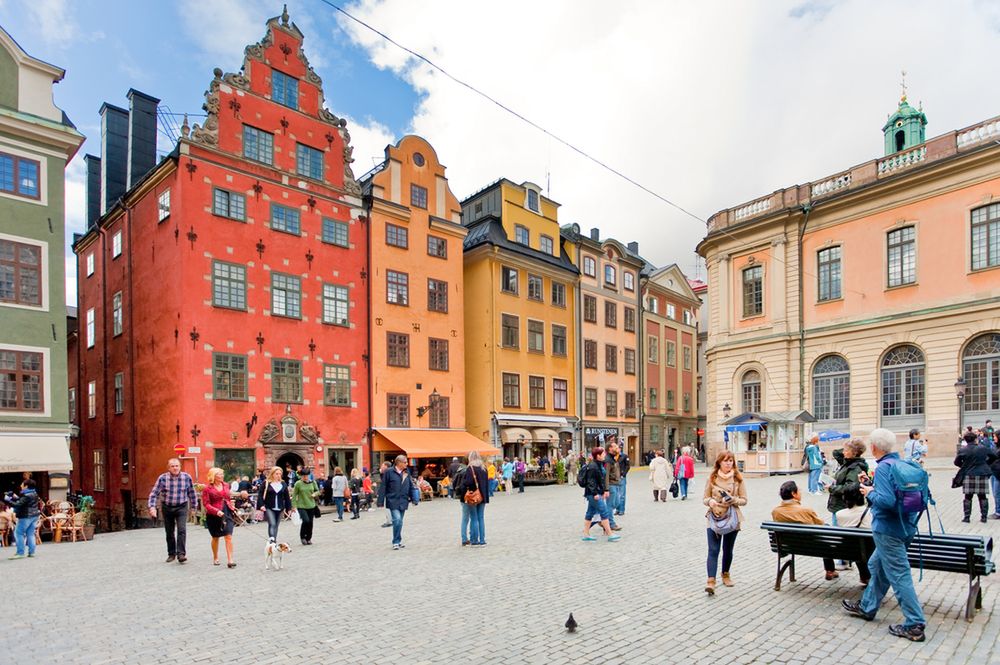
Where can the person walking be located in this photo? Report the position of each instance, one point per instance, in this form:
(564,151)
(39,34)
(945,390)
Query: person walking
(974,462)
(613,478)
(304,494)
(593,477)
(27,511)
(659,476)
(572,467)
(357,486)
(175,490)
(684,471)
(507,474)
(491,474)
(815,460)
(915,448)
(453,470)
(520,471)
(383,467)
(847,478)
(725,494)
(395,492)
(219,514)
(892,530)
(624,465)
(338,485)
(273,499)
(473,479)
(791,510)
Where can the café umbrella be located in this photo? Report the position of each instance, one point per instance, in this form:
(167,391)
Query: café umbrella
(833,435)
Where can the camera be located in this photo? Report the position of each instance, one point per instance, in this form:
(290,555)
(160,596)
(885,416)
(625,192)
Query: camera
(725,495)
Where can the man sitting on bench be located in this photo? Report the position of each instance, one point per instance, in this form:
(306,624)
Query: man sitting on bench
(791,510)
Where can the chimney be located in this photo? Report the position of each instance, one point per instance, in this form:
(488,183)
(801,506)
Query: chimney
(141,135)
(93,189)
(114,154)
(634,247)
(595,234)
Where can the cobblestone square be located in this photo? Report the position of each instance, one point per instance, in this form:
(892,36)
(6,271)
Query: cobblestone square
(349,598)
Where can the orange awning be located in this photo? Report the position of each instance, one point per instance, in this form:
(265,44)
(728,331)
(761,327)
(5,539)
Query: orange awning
(422,444)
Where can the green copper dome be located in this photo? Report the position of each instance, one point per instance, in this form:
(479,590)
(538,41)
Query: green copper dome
(904,128)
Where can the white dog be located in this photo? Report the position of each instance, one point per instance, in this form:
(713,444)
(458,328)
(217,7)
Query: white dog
(274,554)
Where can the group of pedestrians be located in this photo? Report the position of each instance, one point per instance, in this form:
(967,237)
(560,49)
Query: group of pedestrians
(660,474)
(978,465)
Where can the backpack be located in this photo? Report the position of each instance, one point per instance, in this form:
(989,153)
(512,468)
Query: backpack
(912,493)
(458,481)
(581,478)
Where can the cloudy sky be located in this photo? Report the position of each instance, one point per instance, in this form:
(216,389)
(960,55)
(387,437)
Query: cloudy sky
(709,104)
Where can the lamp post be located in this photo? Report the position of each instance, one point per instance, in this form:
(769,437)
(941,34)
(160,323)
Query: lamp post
(960,387)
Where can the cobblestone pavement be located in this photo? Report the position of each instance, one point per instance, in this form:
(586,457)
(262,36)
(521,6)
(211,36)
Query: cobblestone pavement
(349,598)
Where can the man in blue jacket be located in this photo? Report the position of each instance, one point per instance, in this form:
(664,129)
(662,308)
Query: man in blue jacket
(892,530)
(27,512)
(395,493)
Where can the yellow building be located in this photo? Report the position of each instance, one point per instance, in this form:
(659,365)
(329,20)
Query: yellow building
(520,322)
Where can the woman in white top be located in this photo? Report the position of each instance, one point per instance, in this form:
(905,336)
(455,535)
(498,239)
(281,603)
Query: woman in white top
(856,515)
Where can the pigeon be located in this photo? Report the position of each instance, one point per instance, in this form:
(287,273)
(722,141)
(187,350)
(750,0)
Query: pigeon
(571,624)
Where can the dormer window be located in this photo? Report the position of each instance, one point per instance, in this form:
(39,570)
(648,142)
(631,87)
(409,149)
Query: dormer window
(532,201)
(285,89)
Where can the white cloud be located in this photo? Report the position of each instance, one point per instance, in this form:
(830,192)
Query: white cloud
(369,139)
(223,28)
(53,20)
(709,104)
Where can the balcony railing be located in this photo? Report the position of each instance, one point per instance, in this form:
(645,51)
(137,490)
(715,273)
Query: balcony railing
(902,160)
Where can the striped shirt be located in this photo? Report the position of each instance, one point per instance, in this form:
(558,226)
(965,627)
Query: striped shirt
(174,490)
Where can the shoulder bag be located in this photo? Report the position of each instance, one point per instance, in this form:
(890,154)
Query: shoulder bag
(729,522)
(474,497)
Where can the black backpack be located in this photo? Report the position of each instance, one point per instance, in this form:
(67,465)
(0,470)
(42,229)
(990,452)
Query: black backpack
(581,478)
(458,481)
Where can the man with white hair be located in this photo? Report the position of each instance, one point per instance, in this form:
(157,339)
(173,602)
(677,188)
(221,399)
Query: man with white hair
(893,530)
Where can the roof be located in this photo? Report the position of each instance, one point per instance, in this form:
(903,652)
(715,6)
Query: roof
(489,231)
(697,285)
(793,416)
(426,443)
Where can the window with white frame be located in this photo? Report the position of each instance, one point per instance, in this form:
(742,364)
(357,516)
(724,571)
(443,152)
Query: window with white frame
(92,399)
(589,266)
(628,280)
(163,205)
(116,245)
(545,244)
(610,275)
(832,389)
(98,470)
(116,314)
(90,264)
(91,332)
(335,305)
(902,256)
(986,237)
(751,391)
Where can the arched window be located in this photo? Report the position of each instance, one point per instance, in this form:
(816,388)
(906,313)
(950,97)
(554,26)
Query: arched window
(832,389)
(903,387)
(750,384)
(981,370)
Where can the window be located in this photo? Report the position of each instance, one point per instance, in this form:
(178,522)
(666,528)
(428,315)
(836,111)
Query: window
(286,296)
(654,399)
(308,162)
(521,234)
(508,280)
(831,389)
(981,369)
(902,256)
(286,219)
(828,263)
(653,349)
(397,349)
(398,407)
(163,205)
(653,304)
(986,237)
(258,145)
(90,264)
(590,402)
(335,305)
(610,358)
(654,434)
(284,89)
(511,390)
(687,357)
(671,403)
(286,380)
(336,385)
(397,290)
(610,403)
(750,384)
(687,402)
(229,204)
(230,372)
(628,280)
(610,275)
(671,311)
(21,379)
(534,287)
(590,309)
(229,285)
(19,176)
(558,340)
(903,385)
(437,295)
(753,291)
(437,247)
(589,354)
(438,352)
(397,236)
(532,201)
(98,470)
(545,244)
(418,196)
(72,405)
(335,233)
(536,392)
(688,318)
(630,319)
(536,336)
(509,333)
(630,404)
(558,294)
(116,314)
(560,394)
(119,393)
(589,266)
(116,245)
(21,274)
(440,412)
(671,354)
(610,314)
(92,399)
(630,361)
(91,335)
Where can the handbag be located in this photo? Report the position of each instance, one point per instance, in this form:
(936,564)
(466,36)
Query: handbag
(674,488)
(726,524)
(475,497)
(959,478)
(347,492)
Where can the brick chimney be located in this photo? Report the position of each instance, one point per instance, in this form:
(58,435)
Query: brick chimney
(141,135)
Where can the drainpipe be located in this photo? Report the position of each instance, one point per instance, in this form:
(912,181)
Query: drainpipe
(102,232)
(643,370)
(367,207)
(806,209)
(131,376)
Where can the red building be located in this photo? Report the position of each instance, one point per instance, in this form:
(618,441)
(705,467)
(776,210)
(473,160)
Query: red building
(222,291)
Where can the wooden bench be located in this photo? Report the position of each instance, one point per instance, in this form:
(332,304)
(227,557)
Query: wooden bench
(950,553)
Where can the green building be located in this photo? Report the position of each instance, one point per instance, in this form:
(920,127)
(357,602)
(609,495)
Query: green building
(37,140)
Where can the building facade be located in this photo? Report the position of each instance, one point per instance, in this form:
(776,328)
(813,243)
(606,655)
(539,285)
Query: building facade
(37,140)
(868,298)
(223,291)
(521,322)
(700,289)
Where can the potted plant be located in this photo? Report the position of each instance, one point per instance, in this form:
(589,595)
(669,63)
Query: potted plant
(560,472)
(85,506)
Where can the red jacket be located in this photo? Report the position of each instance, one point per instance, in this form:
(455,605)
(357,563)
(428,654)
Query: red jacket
(214,499)
(684,467)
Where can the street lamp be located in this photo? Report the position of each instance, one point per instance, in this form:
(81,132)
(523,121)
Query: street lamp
(431,400)
(726,411)
(960,386)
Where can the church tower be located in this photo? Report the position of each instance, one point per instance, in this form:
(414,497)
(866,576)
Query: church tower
(904,128)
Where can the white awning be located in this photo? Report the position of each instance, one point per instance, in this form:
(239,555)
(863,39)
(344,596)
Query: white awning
(518,420)
(545,435)
(515,435)
(23,451)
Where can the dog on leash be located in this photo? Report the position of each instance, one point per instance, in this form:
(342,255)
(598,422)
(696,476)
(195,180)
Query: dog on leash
(274,554)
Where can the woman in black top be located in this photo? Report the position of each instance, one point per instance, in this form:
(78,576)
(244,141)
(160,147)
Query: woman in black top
(273,499)
(974,460)
(595,490)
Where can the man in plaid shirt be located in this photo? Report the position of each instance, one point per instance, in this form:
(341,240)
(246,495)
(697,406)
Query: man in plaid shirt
(176,489)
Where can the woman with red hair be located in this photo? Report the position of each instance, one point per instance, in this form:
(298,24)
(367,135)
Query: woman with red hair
(724,494)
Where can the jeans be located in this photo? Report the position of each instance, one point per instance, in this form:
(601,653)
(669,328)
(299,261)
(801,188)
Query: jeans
(890,567)
(814,479)
(621,495)
(175,524)
(995,484)
(356,504)
(24,531)
(339,501)
(520,483)
(493,486)
(614,497)
(726,542)
(596,505)
(684,486)
(472,520)
(397,526)
(306,528)
(273,518)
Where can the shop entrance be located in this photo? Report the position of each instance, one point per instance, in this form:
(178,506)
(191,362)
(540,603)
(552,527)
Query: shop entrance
(345,458)
(289,459)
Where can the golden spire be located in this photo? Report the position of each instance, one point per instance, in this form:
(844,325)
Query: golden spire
(902,99)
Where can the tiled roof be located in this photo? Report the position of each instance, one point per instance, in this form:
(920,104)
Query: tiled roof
(488,230)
